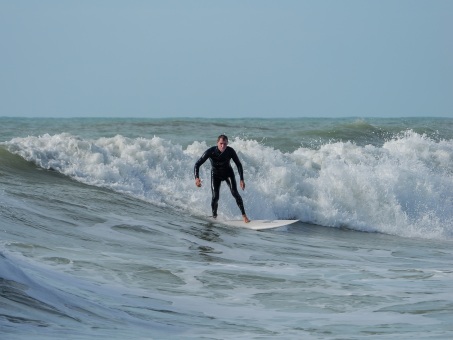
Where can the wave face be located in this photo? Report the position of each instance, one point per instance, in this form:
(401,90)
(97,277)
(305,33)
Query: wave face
(400,186)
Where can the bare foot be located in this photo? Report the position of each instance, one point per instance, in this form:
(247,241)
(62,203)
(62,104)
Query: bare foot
(246,219)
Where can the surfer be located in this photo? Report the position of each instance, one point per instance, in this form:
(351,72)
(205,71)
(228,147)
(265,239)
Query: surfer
(221,170)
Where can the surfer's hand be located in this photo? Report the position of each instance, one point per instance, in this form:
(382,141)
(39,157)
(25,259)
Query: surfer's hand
(198,182)
(242,184)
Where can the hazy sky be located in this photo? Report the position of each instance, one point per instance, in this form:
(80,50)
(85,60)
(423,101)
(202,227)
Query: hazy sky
(229,58)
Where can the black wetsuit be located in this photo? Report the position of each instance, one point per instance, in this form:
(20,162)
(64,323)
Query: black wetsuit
(222,171)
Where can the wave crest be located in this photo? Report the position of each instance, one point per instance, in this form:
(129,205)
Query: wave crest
(403,188)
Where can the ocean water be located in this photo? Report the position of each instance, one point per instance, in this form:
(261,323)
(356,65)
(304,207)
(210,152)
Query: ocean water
(104,235)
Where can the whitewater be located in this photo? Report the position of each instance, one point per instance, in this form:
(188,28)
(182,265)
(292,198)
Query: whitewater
(104,233)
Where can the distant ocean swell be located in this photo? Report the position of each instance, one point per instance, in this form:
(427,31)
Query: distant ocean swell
(403,187)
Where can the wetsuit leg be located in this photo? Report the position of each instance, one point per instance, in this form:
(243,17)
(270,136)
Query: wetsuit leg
(215,188)
(231,181)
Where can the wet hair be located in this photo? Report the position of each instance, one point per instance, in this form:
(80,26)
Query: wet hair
(222,137)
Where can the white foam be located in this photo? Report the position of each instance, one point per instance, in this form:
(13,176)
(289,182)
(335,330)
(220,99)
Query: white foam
(404,187)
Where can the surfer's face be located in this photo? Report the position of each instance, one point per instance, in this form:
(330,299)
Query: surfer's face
(222,144)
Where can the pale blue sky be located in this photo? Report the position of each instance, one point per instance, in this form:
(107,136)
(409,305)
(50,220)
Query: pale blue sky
(230,58)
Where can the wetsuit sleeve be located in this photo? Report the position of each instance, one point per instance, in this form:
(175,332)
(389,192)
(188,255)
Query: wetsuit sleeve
(202,159)
(238,163)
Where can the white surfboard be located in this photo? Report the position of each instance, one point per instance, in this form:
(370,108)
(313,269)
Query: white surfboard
(256,224)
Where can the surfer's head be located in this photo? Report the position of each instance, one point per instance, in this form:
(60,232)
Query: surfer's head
(222,137)
(222,143)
